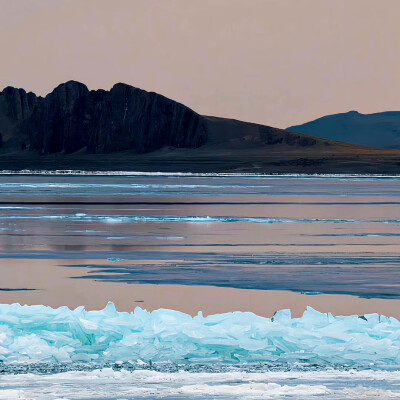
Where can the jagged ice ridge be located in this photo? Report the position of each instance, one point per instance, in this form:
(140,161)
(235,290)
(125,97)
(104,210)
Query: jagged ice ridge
(37,334)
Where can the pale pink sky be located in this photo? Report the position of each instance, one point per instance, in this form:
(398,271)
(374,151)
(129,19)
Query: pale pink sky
(277,62)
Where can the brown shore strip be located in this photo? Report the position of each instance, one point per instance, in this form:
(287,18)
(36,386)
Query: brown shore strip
(232,147)
(206,160)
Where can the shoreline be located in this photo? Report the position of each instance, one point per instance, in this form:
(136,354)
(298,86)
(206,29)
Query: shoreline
(79,172)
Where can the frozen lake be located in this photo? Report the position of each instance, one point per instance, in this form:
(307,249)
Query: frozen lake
(210,243)
(332,236)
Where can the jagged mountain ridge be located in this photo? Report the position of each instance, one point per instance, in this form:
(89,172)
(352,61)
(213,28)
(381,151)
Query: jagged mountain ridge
(71,118)
(378,129)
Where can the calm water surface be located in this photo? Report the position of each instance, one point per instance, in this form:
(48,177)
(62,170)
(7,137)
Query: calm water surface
(211,243)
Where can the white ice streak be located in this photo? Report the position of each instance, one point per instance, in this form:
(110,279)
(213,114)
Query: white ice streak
(194,174)
(121,219)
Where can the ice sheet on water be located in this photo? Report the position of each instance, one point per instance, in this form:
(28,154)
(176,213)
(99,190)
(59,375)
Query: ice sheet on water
(44,334)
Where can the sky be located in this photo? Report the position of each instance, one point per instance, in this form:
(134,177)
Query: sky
(275,62)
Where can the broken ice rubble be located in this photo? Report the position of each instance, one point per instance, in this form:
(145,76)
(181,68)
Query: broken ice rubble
(44,334)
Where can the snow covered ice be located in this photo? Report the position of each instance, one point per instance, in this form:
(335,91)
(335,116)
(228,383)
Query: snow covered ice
(107,383)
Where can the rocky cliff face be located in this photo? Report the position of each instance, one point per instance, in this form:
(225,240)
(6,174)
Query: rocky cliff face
(124,118)
(15,108)
(18,103)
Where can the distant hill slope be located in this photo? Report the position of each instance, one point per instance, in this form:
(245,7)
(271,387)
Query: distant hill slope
(378,130)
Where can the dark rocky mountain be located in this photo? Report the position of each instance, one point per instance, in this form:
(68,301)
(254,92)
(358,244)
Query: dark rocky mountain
(378,130)
(130,129)
(72,118)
